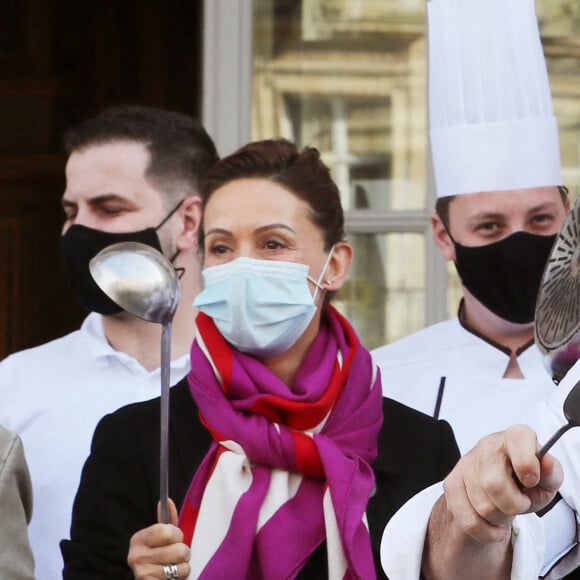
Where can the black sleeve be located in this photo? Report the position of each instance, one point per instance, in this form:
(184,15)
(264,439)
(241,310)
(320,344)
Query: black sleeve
(119,488)
(448,448)
(115,499)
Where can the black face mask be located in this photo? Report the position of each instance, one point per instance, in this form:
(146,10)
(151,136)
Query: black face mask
(80,244)
(505,276)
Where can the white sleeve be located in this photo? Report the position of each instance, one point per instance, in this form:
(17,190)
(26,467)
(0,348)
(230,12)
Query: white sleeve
(561,533)
(404,538)
(545,418)
(561,524)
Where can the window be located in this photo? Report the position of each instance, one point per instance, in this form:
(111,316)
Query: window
(349,77)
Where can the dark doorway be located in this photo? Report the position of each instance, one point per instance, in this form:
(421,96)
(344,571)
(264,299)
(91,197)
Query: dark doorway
(62,61)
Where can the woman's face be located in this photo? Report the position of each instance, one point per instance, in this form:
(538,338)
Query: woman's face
(257,218)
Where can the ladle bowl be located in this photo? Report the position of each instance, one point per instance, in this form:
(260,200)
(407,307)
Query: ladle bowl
(139,279)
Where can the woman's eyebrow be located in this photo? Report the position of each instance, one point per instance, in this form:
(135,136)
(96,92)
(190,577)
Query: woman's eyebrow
(261,229)
(220,231)
(274,227)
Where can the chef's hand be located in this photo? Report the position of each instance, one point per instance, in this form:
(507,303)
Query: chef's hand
(498,479)
(158,545)
(470,527)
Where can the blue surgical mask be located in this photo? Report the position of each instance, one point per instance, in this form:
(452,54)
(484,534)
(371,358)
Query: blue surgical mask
(261,307)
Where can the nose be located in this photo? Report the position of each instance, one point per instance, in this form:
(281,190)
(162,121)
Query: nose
(515,229)
(246,250)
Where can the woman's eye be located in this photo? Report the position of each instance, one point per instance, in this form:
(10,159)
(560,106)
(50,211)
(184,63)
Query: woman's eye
(275,244)
(218,249)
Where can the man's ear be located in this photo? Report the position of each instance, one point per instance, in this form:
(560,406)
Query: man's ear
(338,267)
(190,214)
(441,237)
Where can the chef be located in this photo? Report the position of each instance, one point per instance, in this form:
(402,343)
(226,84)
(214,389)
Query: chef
(500,204)
(495,150)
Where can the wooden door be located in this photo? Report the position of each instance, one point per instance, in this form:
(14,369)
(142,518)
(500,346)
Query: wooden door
(62,61)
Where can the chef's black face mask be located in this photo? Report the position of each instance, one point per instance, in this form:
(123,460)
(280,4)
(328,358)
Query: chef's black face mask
(77,248)
(505,276)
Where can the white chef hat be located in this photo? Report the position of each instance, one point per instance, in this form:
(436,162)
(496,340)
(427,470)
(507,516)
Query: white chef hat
(492,127)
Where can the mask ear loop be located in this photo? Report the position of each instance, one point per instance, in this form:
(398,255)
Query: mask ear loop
(166,218)
(322,273)
(447,231)
(180,271)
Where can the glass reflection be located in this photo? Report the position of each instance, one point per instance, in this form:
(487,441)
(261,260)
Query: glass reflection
(384,296)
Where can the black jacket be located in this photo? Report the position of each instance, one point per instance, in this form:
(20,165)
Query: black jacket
(119,488)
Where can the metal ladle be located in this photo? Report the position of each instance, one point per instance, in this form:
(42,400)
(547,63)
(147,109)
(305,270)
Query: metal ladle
(572,414)
(144,283)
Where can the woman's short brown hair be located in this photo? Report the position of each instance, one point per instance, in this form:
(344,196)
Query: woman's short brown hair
(301,172)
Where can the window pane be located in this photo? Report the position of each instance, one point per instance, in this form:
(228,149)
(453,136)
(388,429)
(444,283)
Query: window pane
(384,296)
(559,24)
(348,78)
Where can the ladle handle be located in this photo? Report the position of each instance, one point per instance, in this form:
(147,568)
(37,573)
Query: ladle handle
(546,446)
(164,431)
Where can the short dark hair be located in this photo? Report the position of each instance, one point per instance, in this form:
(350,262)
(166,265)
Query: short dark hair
(442,204)
(301,172)
(181,152)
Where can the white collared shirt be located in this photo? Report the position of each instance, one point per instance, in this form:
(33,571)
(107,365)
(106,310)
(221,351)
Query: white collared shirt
(53,396)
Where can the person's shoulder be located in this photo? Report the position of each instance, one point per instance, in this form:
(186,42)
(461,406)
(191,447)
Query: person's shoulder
(422,345)
(62,346)
(145,415)
(414,451)
(400,416)
(179,396)
(408,434)
(13,461)
(137,425)
(7,441)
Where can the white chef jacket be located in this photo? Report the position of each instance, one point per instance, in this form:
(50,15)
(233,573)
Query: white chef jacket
(546,418)
(448,371)
(540,547)
(53,396)
(404,537)
(466,371)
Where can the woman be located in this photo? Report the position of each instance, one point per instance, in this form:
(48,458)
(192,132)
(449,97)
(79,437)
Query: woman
(275,429)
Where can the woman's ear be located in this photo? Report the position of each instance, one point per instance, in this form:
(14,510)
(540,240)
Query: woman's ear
(441,237)
(190,213)
(338,267)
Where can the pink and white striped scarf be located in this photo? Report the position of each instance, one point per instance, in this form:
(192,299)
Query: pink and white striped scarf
(288,468)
